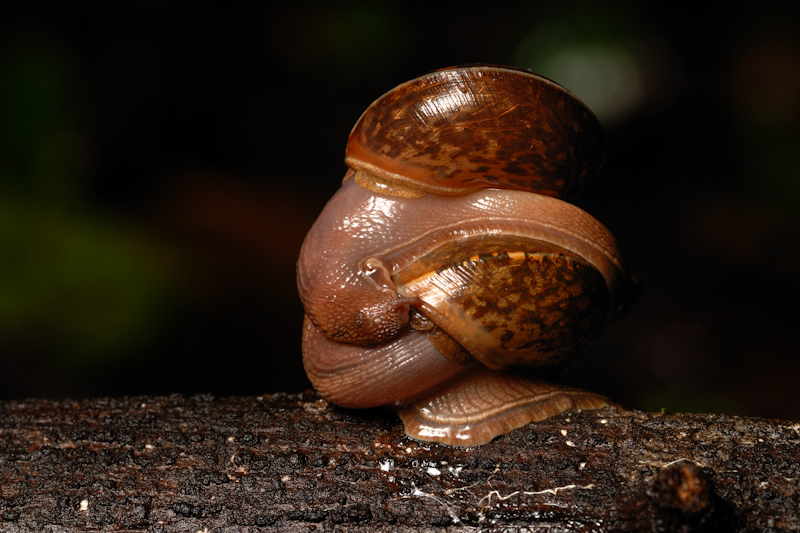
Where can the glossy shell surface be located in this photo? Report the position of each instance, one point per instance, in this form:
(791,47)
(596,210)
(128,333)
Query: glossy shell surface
(510,301)
(462,129)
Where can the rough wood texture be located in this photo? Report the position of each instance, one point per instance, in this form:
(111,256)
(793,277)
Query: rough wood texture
(295,463)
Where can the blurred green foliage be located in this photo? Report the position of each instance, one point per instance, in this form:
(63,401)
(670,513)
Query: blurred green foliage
(75,281)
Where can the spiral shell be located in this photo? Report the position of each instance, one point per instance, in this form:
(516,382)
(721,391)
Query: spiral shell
(462,129)
(510,301)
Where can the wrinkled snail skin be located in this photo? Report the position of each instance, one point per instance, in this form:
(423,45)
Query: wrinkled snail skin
(351,298)
(385,367)
(355,376)
(483,404)
(447,272)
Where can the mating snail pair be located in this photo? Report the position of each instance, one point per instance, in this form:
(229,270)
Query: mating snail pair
(449,271)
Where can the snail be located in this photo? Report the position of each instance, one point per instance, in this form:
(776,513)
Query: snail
(449,277)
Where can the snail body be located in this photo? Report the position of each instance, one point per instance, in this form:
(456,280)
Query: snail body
(448,270)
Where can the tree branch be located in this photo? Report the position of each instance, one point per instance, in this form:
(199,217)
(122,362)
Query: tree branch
(291,462)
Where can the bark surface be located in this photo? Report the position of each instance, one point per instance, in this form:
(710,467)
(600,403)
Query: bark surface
(296,463)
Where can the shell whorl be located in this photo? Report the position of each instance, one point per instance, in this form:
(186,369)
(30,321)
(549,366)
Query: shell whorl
(465,128)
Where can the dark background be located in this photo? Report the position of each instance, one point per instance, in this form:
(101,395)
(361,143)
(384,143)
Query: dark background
(160,164)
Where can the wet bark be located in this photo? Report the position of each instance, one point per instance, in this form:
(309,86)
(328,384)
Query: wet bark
(296,463)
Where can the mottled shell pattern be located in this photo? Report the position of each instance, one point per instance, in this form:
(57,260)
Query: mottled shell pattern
(463,129)
(449,269)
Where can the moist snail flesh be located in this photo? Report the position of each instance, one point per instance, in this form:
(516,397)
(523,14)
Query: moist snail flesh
(449,278)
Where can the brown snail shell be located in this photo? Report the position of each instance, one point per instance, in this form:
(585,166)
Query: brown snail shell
(462,129)
(449,270)
(510,301)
